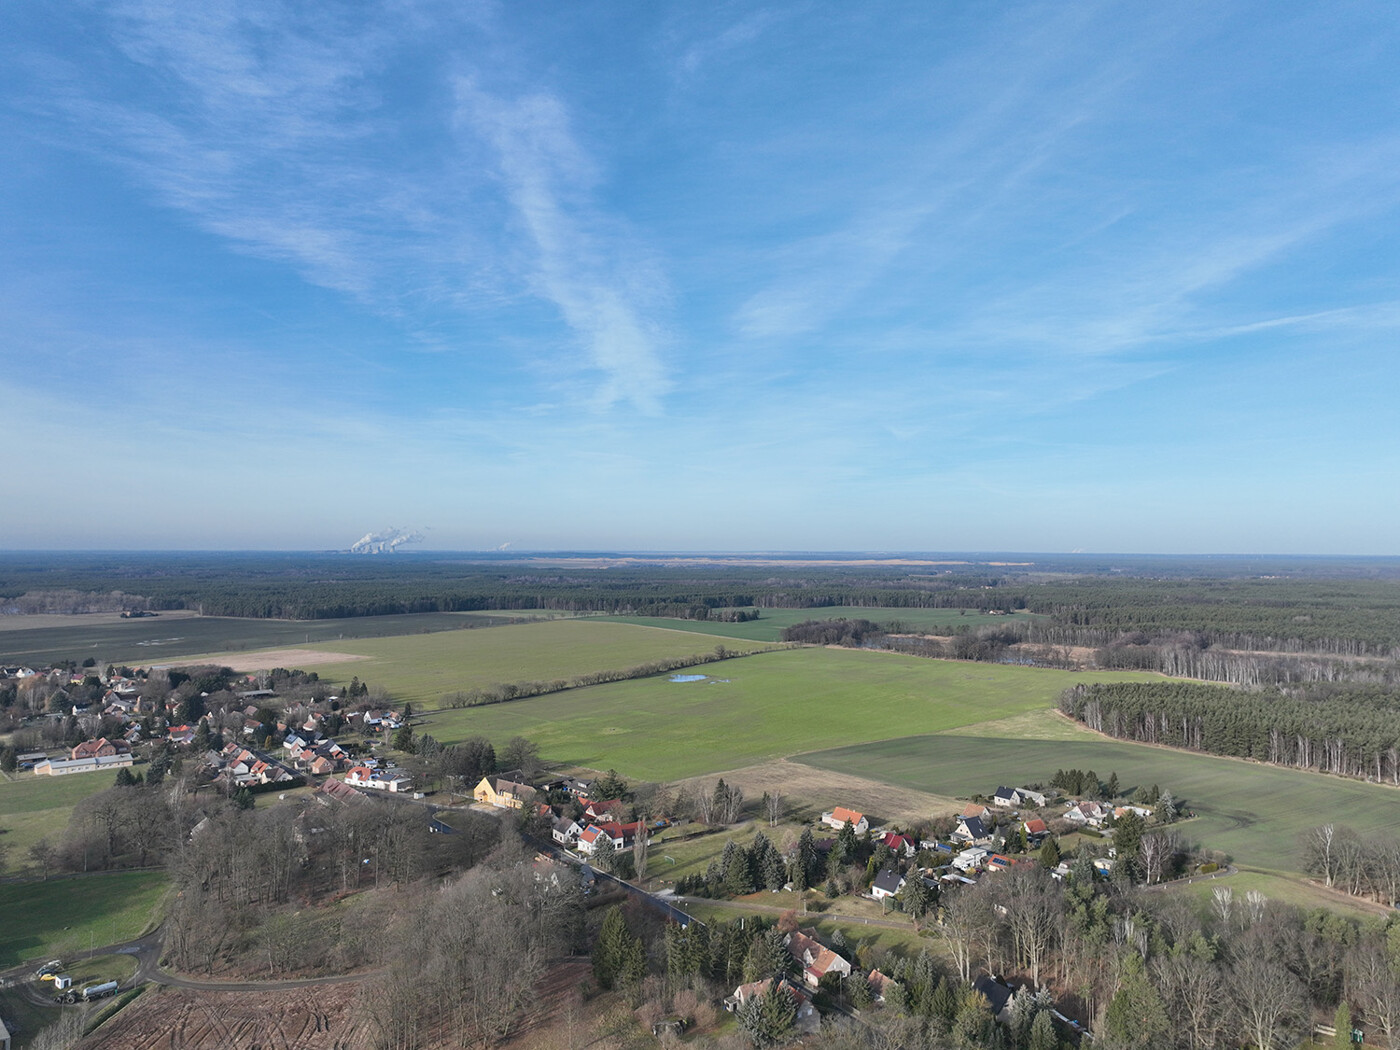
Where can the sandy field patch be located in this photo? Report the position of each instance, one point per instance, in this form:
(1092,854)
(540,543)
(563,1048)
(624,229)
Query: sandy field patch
(809,788)
(268,659)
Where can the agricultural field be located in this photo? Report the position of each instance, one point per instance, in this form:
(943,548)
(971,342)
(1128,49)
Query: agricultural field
(326,1017)
(751,710)
(769,626)
(159,639)
(1249,810)
(33,807)
(44,920)
(424,668)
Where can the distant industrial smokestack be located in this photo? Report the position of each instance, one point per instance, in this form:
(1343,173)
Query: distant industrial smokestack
(385,542)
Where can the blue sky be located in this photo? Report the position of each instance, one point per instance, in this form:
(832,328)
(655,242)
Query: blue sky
(899,276)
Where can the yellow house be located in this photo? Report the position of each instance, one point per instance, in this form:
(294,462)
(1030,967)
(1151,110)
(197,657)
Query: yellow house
(503,793)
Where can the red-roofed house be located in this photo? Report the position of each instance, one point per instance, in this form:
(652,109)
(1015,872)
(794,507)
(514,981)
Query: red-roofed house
(815,958)
(900,844)
(839,816)
(622,835)
(101,748)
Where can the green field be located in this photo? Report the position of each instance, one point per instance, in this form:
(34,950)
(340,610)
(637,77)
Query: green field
(44,920)
(769,626)
(423,668)
(34,807)
(159,639)
(1288,890)
(1252,811)
(760,707)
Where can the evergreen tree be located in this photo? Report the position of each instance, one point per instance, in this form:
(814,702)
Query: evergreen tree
(1127,841)
(1136,1018)
(1341,1021)
(768,1018)
(768,957)
(1043,1035)
(243,799)
(942,1008)
(604,853)
(734,870)
(1050,853)
(807,867)
(618,957)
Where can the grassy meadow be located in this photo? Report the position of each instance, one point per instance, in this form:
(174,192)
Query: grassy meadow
(1252,811)
(33,807)
(424,668)
(759,707)
(44,920)
(1288,889)
(769,626)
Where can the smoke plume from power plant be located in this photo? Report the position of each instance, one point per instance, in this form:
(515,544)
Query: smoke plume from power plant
(385,542)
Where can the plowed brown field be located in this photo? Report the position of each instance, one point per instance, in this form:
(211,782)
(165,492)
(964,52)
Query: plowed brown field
(320,1018)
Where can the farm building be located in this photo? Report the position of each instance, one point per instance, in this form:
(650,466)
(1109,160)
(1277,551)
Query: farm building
(62,767)
(840,816)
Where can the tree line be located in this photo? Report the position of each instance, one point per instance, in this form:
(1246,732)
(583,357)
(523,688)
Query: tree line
(1342,729)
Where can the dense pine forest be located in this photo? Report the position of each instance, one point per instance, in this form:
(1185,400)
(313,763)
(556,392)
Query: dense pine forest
(1348,730)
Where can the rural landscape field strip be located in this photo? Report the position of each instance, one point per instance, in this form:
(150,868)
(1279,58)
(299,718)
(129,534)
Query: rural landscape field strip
(761,707)
(423,669)
(769,626)
(1252,811)
(158,639)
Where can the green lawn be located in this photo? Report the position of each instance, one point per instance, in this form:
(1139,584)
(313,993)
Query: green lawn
(1252,811)
(424,668)
(770,623)
(760,707)
(48,920)
(32,807)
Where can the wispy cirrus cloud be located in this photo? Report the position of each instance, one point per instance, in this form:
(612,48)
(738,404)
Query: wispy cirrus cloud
(270,126)
(585,261)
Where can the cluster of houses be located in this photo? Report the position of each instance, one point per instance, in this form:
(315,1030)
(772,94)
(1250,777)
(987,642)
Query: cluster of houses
(243,767)
(814,961)
(976,843)
(315,754)
(601,820)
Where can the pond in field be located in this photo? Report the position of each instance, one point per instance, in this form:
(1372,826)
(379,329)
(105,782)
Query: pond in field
(688,677)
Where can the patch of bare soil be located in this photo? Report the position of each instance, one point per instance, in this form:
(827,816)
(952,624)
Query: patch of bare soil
(820,790)
(33,621)
(321,1018)
(275,658)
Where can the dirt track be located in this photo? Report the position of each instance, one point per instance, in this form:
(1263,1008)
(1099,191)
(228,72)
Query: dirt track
(274,658)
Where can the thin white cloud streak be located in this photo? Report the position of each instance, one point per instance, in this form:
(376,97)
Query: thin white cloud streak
(263,123)
(603,285)
(999,179)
